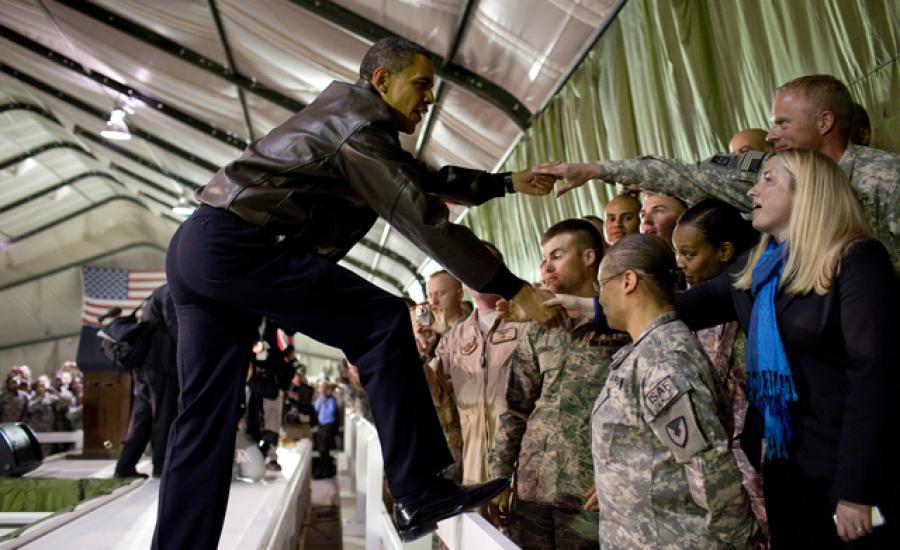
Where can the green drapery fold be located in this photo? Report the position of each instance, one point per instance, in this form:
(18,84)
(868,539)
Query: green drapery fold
(677,79)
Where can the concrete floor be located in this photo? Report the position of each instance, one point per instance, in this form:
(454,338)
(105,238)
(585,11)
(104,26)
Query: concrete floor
(331,506)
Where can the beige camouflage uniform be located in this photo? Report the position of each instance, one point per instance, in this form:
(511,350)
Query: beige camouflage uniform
(873,173)
(664,470)
(544,435)
(478,368)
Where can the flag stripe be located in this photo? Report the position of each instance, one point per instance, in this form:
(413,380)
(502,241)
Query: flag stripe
(107,288)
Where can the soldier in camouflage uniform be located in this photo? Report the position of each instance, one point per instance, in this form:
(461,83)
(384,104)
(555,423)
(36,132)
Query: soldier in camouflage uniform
(796,109)
(664,471)
(12,401)
(39,412)
(555,375)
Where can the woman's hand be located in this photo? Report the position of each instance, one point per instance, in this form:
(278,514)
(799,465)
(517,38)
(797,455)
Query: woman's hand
(853,520)
(575,306)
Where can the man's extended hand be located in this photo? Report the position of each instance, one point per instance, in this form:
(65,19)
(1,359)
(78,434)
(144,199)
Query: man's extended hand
(575,306)
(530,183)
(575,174)
(528,305)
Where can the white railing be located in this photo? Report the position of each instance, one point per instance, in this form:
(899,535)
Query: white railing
(365,468)
(75,437)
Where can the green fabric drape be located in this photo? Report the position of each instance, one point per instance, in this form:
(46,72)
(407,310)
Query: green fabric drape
(50,495)
(678,78)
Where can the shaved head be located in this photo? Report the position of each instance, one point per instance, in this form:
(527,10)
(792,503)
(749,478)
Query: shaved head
(751,139)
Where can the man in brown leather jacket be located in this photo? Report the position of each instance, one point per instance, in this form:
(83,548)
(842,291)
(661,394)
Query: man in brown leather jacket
(265,242)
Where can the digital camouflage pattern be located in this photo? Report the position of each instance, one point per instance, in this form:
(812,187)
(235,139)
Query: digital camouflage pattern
(544,435)
(664,470)
(873,173)
(541,526)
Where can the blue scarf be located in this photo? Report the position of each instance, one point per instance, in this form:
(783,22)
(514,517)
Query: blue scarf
(770,386)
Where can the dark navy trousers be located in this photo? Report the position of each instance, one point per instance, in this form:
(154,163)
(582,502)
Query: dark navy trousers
(225,274)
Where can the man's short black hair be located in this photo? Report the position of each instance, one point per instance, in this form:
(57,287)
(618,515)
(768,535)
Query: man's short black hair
(392,53)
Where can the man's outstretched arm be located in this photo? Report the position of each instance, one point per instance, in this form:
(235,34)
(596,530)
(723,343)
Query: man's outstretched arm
(391,185)
(725,177)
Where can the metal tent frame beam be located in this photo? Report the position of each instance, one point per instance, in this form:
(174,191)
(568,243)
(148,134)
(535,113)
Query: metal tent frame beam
(446,69)
(44,148)
(40,229)
(461,23)
(56,186)
(79,263)
(109,82)
(232,68)
(98,113)
(134,157)
(148,36)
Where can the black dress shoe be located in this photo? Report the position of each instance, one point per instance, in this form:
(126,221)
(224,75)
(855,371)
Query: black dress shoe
(133,473)
(443,499)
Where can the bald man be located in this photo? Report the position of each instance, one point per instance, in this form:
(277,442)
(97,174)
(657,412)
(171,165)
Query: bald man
(751,139)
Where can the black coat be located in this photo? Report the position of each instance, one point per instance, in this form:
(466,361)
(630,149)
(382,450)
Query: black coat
(843,352)
(325,175)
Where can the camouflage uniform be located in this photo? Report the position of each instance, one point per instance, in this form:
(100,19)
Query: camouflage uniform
(544,435)
(873,173)
(664,471)
(39,414)
(725,345)
(477,365)
(12,406)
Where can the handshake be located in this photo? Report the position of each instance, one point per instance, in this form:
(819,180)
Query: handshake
(540,305)
(529,305)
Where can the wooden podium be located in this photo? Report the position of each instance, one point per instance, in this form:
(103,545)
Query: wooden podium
(107,400)
(106,412)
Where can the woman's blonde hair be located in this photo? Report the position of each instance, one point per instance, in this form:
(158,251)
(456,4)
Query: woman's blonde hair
(826,219)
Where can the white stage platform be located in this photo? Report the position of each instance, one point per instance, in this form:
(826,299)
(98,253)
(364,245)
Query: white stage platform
(264,515)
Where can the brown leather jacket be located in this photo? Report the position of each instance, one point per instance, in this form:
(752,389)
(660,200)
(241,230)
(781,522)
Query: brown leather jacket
(325,175)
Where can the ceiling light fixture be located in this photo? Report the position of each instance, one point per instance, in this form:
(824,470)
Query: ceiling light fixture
(116,128)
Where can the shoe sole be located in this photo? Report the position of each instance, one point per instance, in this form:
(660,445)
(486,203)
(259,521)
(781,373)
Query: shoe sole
(419,531)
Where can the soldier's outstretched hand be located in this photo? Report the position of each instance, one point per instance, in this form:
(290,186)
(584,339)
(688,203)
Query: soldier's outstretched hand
(575,306)
(528,305)
(530,183)
(576,174)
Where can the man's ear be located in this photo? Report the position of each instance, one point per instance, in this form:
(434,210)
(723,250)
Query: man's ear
(725,252)
(589,256)
(827,122)
(380,79)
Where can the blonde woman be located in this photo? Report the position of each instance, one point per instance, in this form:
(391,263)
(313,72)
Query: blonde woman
(818,299)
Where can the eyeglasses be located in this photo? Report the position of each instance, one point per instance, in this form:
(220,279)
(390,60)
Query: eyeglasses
(598,285)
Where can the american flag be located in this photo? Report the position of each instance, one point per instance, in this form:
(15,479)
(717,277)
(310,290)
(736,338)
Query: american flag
(106,288)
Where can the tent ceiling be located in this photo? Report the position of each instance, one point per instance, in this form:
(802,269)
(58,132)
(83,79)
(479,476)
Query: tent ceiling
(203,78)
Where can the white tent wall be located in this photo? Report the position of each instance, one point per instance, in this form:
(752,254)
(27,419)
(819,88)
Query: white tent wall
(42,317)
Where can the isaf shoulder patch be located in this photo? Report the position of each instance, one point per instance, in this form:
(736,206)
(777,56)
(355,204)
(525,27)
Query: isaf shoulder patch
(660,395)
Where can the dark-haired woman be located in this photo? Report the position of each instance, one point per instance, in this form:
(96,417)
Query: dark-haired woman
(707,239)
(663,468)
